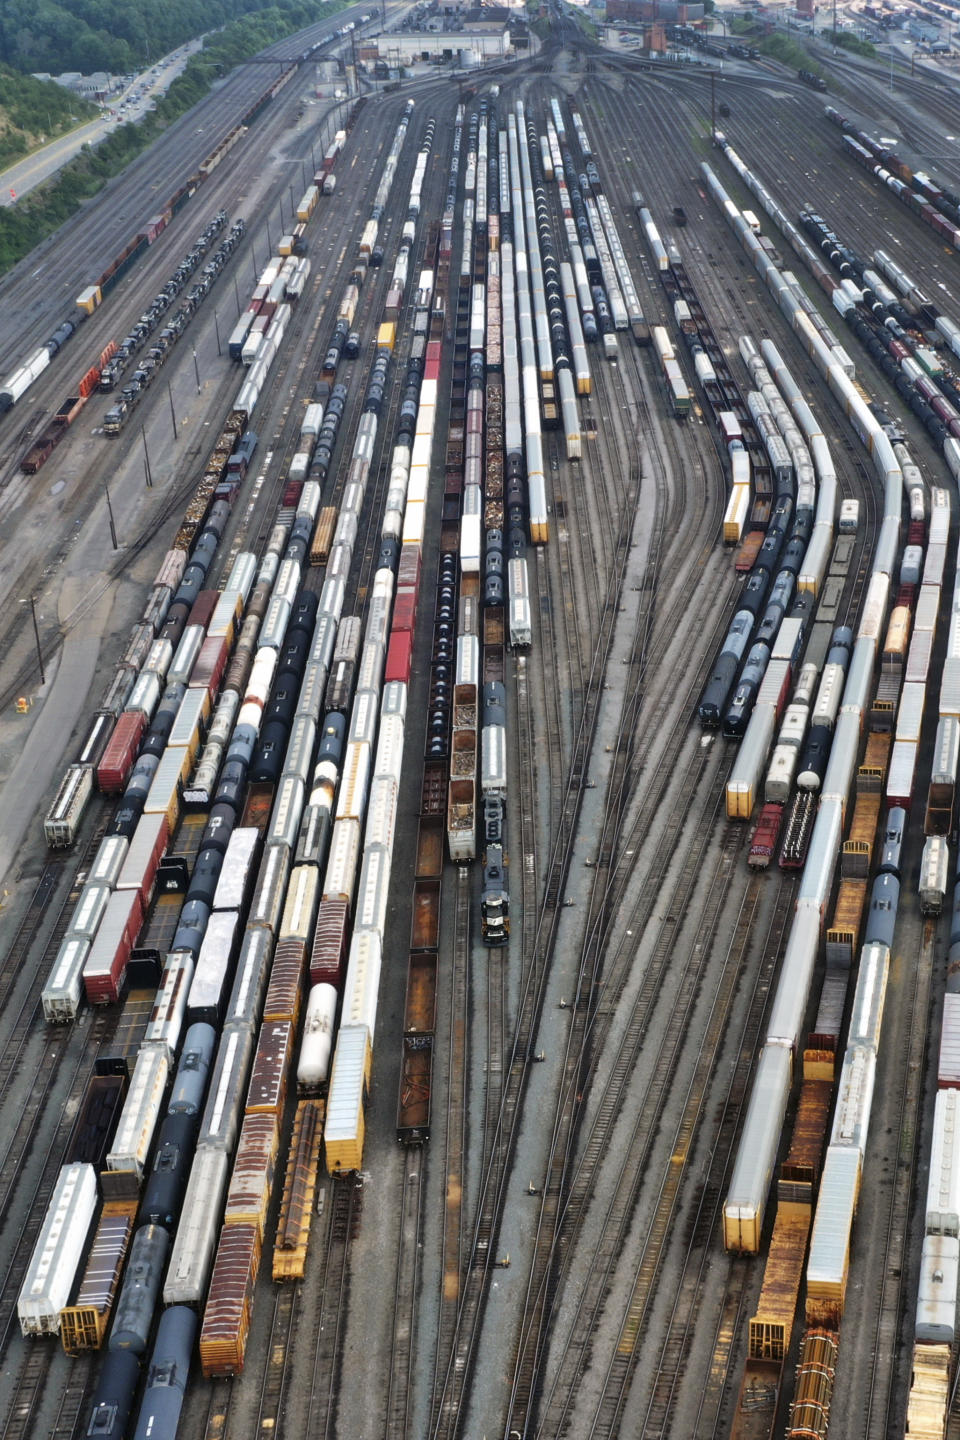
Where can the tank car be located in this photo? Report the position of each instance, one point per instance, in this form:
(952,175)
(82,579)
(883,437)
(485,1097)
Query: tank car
(113,1396)
(881,916)
(133,1316)
(892,841)
(167,1374)
(813,761)
(193,1069)
(164,1187)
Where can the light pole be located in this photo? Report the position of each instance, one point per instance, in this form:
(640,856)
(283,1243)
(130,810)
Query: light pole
(173,417)
(36,636)
(146,452)
(113,528)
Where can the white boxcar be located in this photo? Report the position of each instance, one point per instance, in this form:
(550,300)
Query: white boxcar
(829,1257)
(493,761)
(750,1183)
(341,875)
(937,1297)
(181,666)
(343,1131)
(166,1017)
(389,756)
(235,879)
(267,903)
(943,1187)
(250,982)
(190,719)
(141,1112)
(372,890)
(88,911)
(520,632)
(108,861)
(352,795)
(934,866)
(910,712)
(287,809)
(362,984)
(381,812)
(300,906)
(143,845)
(192,1255)
(208,992)
(866,1016)
(779,779)
(59,1250)
(228,1085)
(61,994)
(851,1120)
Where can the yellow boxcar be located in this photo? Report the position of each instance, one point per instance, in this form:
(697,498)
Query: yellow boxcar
(89,299)
(386,335)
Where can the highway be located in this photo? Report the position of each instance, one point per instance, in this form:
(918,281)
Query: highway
(139,95)
(551,1262)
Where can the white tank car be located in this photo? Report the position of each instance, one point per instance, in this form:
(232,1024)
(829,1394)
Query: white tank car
(313,1066)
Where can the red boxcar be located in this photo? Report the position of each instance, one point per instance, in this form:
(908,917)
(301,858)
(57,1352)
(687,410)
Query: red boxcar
(408,570)
(203,608)
(398,657)
(114,769)
(405,610)
(210,664)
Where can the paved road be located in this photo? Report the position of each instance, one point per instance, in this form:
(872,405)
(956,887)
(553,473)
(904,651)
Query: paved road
(18,180)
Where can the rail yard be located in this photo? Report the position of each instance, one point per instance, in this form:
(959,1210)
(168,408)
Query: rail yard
(479,948)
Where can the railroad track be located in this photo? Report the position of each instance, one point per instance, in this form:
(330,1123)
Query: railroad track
(403,1347)
(455,1149)
(673,1356)
(447,1412)
(30,1388)
(300,1322)
(888,1359)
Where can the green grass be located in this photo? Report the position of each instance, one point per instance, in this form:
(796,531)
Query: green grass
(844,40)
(789,52)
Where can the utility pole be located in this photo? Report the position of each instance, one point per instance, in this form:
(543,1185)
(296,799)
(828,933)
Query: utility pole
(146,452)
(173,417)
(113,529)
(713,108)
(36,636)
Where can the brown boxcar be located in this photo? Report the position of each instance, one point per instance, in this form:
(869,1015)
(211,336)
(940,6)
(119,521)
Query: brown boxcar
(226,1318)
(271,1069)
(285,990)
(251,1182)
